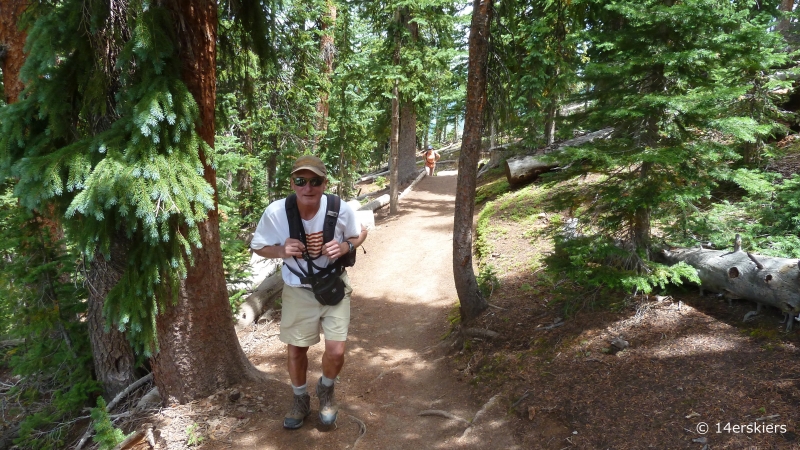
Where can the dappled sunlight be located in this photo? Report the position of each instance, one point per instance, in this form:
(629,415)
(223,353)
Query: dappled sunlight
(695,345)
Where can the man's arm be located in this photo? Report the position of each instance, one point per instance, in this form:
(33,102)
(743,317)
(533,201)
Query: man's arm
(334,249)
(292,247)
(358,240)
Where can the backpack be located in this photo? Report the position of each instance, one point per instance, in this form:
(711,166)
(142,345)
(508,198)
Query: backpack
(327,285)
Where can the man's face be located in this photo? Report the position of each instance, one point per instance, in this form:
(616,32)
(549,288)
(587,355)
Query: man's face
(308,194)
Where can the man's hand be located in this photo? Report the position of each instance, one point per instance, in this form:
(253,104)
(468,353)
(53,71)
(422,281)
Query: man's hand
(293,247)
(333,249)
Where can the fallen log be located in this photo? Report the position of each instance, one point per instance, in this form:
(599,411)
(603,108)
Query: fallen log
(259,301)
(740,275)
(371,178)
(524,169)
(377,203)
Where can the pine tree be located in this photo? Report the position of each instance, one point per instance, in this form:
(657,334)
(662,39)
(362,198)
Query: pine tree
(675,81)
(147,174)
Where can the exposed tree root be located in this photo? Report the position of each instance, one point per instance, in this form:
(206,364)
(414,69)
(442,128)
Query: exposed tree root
(480,333)
(480,414)
(445,414)
(362,429)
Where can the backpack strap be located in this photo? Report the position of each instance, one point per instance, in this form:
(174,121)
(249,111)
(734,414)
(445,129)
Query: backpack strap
(331,217)
(296,230)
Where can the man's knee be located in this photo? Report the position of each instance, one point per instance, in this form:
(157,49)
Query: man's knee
(334,349)
(297,352)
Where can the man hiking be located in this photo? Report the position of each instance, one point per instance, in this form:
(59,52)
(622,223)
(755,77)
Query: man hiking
(317,290)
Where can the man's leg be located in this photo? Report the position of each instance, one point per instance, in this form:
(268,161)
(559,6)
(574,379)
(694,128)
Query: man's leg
(332,362)
(332,359)
(299,330)
(335,324)
(298,364)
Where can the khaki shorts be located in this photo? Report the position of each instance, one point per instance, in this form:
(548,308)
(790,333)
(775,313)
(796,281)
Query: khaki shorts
(302,315)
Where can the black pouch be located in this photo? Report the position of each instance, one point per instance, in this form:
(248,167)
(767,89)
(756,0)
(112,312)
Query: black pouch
(329,291)
(326,284)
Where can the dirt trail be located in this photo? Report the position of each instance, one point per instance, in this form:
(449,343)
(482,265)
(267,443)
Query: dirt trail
(395,365)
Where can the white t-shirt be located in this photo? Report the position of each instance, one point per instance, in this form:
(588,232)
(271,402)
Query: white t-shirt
(273,229)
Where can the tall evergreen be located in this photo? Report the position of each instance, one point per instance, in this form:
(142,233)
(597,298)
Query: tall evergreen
(675,81)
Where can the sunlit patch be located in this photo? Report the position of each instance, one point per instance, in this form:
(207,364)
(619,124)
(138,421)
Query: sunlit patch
(696,344)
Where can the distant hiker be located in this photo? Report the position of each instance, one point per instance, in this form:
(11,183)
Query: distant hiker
(314,239)
(431,156)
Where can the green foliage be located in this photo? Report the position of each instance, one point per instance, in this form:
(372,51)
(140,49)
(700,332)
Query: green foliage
(41,301)
(381,182)
(685,87)
(491,190)
(193,438)
(487,280)
(106,435)
(537,45)
(597,261)
(765,216)
(134,170)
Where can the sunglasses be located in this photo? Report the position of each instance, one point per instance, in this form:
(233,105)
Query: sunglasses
(314,182)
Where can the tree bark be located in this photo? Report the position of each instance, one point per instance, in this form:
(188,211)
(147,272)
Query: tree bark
(198,349)
(394,186)
(784,24)
(394,141)
(407,146)
(113,357)
(550,122)
(740,275)
(328,52)
(472,301)
(12,42)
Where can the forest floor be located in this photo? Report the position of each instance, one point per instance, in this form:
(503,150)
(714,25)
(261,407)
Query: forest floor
(550,381)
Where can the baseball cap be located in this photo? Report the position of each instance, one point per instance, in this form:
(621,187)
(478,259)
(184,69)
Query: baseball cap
(310,162)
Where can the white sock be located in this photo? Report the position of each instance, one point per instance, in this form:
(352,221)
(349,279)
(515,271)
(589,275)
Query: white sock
(299,390)
(327,382)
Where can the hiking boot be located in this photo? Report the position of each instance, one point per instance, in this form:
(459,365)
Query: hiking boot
(301,408)
(327,404)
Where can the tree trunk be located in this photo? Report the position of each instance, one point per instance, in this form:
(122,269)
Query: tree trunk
(550,122)
(472,302)
(740,275)
(327,51)
(342,139)
(641,218)
(198,349)
(784,24)
(272,169)
(12,41)
(394,140)
(492,135)
(114,360)
(407,146)
(394,186)
(426,142)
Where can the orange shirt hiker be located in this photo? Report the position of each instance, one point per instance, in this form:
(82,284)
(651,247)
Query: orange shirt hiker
(431,156)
